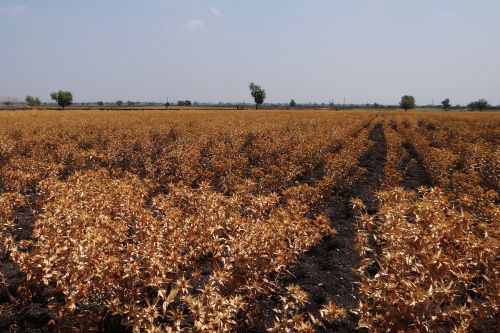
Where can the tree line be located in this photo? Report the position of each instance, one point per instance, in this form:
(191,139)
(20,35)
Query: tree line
(408,102)
(65,98)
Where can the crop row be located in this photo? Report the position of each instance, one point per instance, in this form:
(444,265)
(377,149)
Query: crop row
(434,266)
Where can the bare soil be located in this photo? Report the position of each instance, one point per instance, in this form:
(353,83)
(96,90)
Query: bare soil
(413,171)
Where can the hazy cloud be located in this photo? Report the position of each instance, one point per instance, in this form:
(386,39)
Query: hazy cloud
(12,9)
(215,11)
(194,25)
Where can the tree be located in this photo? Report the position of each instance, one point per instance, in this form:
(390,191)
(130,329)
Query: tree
(130,103)
(167,104)
(63,98)
(258,94)
(34,102)
(184,103)
(446,104)
(407,102)
(482,104)
(119,103)
(293,104)
(100,103)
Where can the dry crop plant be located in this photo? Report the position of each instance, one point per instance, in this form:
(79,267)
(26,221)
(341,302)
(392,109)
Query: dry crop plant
(341,168)
(183,220)
(437,248)
(171,225)
(469,175)
(193,259)
(272,150)
(290,317)
(9,203)
(438,266)
(395,154)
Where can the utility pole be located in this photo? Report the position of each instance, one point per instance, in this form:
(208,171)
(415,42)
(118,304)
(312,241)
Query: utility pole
(344,102)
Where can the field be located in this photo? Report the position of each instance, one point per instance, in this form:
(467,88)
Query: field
(298,221)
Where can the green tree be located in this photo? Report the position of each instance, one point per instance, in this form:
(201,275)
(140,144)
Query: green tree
(34,102)
(258,94)
(119,103)
(446,104)
(100,103)
(407,102)
(63,98)
(293,104)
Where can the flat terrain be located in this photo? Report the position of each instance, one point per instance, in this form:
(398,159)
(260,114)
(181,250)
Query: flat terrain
(249,220)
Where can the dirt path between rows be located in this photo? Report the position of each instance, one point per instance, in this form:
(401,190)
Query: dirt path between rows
(326,271)
(414,174)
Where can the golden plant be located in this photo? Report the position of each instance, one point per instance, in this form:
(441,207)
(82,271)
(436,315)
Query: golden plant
(181,221)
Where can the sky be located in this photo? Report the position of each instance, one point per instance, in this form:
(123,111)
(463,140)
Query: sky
(210,50)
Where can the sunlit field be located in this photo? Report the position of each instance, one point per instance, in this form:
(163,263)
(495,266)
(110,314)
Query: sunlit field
(218,220)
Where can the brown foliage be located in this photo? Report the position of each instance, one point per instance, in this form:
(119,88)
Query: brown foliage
(183,220)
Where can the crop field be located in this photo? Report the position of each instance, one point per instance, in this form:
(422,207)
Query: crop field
(247,221)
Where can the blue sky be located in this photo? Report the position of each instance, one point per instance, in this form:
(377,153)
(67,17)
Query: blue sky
(202,50)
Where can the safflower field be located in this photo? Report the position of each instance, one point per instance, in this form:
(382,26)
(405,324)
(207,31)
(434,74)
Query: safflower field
(249,221)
